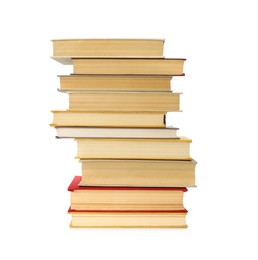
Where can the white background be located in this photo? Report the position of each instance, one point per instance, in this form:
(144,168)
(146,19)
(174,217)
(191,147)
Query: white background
(219,40)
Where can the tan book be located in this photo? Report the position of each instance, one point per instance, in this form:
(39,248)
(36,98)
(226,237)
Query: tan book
(112,132)
(128,219)
(108,119)
(170,67)
(125,198)
(131,148)
(114,83)
(64,49)
(125,101)
(138,173)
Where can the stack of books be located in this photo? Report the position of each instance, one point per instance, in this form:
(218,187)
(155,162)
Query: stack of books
(135,169)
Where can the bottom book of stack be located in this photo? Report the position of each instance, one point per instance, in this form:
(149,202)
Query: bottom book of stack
(133,207)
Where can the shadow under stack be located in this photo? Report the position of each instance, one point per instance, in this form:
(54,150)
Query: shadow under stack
(135,169)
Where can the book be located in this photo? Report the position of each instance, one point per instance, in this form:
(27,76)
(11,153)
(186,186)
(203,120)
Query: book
(82,219)
(134,168)
(138,173)
(125,198)
(125,101)
(112,132)
(114,83)
(133,148)
(108,119)
(170,67)
(64,49)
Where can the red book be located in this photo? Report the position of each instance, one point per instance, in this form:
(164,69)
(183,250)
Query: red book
(126,211)
(77,179)
(125,199)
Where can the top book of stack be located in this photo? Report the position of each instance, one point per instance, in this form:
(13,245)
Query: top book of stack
(65,50)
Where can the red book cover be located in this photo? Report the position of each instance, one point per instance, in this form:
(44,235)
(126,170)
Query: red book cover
(126,211)
(77,179)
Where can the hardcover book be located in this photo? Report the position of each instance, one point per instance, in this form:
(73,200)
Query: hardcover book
(112,132)
(133,148)
(169,67)
(124,101)
(82,219)
(138,173)
(65,49)
(125,198)
(108,119)
(114,83)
